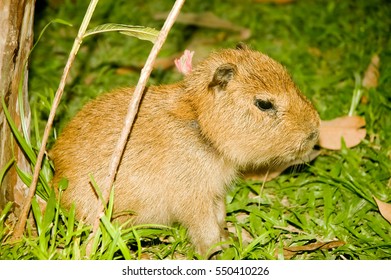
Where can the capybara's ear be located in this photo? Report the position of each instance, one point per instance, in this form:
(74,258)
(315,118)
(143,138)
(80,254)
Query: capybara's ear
(242,46)
(223,74)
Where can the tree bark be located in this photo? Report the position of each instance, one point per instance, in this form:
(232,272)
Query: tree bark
(16,38)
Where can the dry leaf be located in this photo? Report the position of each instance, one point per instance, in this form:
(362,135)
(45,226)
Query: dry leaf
(290,252)
(209,20)
(266,174)
(371,75)
(348,128)
(384,208)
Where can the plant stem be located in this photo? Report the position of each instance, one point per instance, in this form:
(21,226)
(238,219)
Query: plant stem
(19,228)
(131,114)
(357,92)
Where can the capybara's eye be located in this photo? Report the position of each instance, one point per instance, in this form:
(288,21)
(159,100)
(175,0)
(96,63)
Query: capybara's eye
(264,105)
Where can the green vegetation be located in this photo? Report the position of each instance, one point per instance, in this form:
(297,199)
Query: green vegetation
(325,44)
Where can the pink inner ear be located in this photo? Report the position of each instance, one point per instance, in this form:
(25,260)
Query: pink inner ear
(184,63)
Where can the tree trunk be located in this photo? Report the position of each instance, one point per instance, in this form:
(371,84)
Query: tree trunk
(16,37)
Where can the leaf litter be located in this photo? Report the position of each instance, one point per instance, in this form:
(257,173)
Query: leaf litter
(384,208)
(350,128)
(290,252)
(371,76)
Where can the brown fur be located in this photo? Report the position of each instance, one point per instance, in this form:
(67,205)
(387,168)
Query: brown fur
(188,143)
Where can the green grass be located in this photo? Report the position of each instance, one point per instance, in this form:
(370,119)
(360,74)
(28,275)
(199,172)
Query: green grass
(324,44)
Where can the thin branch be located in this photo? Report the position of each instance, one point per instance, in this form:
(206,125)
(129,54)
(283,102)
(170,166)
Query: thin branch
(131,114)
(19,228)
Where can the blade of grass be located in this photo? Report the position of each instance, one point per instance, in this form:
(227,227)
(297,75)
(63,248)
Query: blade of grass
(26,147)
(109,254)
(77,250)
(24,123)
(97,189)
(37,215)
(250,247)
(140,32)
(95,243)
(26,178)
(50,210)
(4,214)
(113,233)
(357,93)
(70,224)
(5,168)
(138,241)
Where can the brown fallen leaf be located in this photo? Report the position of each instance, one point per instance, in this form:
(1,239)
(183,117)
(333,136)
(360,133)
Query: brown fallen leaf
(266,174)
(349,128)
(371,75)
(208,20)
(384,208)
(290,252)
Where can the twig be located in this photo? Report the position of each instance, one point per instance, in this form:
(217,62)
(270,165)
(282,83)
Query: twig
(19,228)
(131,114)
